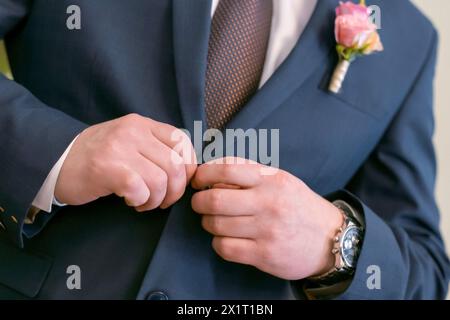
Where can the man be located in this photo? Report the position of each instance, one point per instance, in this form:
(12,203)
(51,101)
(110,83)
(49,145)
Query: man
(91,119)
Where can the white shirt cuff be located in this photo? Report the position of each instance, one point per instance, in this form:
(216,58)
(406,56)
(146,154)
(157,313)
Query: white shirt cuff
(46,195)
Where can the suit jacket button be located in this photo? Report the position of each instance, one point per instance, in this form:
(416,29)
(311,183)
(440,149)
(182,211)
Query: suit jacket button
(157,296)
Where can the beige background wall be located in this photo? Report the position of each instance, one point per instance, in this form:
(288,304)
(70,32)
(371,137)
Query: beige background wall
(438,11)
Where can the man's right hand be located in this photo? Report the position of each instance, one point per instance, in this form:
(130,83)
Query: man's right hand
(134,157)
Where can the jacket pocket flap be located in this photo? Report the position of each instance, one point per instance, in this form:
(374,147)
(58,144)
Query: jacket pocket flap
(22,271)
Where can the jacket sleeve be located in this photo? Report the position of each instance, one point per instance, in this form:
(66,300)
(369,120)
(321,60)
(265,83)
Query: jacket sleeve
(403,255)
(32,138)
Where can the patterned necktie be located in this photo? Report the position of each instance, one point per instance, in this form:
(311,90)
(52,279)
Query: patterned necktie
(238,42)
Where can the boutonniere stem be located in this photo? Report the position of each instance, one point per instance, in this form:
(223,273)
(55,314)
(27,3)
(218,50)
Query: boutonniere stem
(339,75)
(355,35)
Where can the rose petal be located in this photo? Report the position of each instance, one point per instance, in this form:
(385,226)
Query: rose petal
(351,8)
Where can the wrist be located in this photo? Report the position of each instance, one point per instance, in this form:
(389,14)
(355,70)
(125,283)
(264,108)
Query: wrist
(333,221)
(346,246)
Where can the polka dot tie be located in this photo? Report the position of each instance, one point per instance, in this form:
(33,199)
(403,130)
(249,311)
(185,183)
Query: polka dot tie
(238,42)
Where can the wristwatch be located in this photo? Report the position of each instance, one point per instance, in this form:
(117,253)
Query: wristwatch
(346,248)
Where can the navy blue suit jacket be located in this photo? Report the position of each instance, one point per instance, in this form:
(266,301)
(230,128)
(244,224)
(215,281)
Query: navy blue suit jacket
(370,145)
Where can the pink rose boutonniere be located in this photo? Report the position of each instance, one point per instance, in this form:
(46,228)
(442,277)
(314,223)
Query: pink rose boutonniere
(355,35)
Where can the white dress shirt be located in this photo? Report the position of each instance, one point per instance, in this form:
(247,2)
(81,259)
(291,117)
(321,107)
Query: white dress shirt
(289,19)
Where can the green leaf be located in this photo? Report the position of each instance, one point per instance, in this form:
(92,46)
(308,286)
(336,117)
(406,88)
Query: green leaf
(4,66)
(346,53)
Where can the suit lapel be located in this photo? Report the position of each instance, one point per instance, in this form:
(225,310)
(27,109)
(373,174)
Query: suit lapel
(191,27)
(311,50)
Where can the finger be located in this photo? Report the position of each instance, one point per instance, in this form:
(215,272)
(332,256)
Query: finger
(128,184)
(226,202)
(236,250)
(178,141)
(225,186)
(230,171)
(169,161)
(156,180)
(234,227)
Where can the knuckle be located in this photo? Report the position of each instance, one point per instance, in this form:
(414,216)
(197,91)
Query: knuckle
(127,126)
(110,146)
(183,135)
(150,204)
(122,132)
(274,206)
(271,234)
(196,202)
(230,160)
(215,200)
(175,159)
(205,223)
(208,224)
(227,170)
(129,182)
(178,135)
(177,173)
(282,179)
(268,253)
(222,249)
(131,118)
(160,182)
(215,225)
(161,178)
(168,126)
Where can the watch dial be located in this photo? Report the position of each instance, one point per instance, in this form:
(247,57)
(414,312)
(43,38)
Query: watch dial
(351,245)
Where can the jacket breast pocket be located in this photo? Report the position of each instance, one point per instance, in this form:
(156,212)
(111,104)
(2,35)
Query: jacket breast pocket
(22,271)
(369,86)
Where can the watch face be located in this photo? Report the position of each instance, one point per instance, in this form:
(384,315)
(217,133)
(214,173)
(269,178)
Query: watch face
(350,246)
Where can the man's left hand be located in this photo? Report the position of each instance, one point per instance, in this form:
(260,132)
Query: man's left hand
(266,218)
